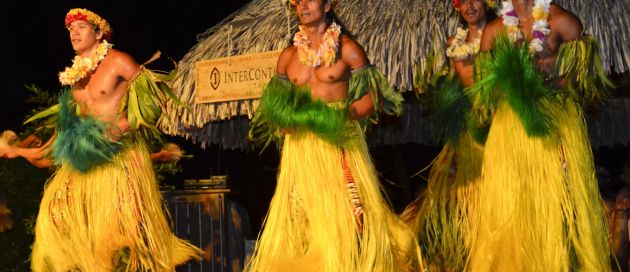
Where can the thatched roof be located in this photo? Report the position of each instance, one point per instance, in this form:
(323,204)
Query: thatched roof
(396,35)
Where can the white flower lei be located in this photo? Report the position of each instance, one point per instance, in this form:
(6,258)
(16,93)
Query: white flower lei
(459,50)
(540,27)
(82,66)
(327,51)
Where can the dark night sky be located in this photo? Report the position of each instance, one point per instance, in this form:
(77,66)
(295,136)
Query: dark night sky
(35,44)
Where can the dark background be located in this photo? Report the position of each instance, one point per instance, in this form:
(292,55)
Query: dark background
(35,44)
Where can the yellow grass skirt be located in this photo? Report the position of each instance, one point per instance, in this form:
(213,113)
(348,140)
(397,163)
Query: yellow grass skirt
(539,205)
(108,219)
(311,225)
(444,216)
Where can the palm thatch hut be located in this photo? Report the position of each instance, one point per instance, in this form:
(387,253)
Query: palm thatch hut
(397,36)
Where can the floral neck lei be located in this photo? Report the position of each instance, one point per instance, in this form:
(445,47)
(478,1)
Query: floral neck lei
(82,66)
(540,27)
(327,51)
(459,50)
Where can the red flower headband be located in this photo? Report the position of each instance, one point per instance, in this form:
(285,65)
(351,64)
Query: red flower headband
(92,18)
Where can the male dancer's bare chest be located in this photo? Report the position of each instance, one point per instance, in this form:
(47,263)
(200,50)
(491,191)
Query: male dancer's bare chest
(100,93)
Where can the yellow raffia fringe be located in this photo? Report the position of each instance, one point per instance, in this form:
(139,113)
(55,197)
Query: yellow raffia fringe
(93,221)
(446,221)
(540,208)
(310,225)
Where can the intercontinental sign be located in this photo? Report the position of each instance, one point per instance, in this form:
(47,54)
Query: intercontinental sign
(234,78)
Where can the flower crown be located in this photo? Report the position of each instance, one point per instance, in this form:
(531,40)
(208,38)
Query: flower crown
(458,4)
(79,14)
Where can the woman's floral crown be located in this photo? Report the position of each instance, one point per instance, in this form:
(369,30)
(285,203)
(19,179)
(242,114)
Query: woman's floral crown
(490,3)
(79,14)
